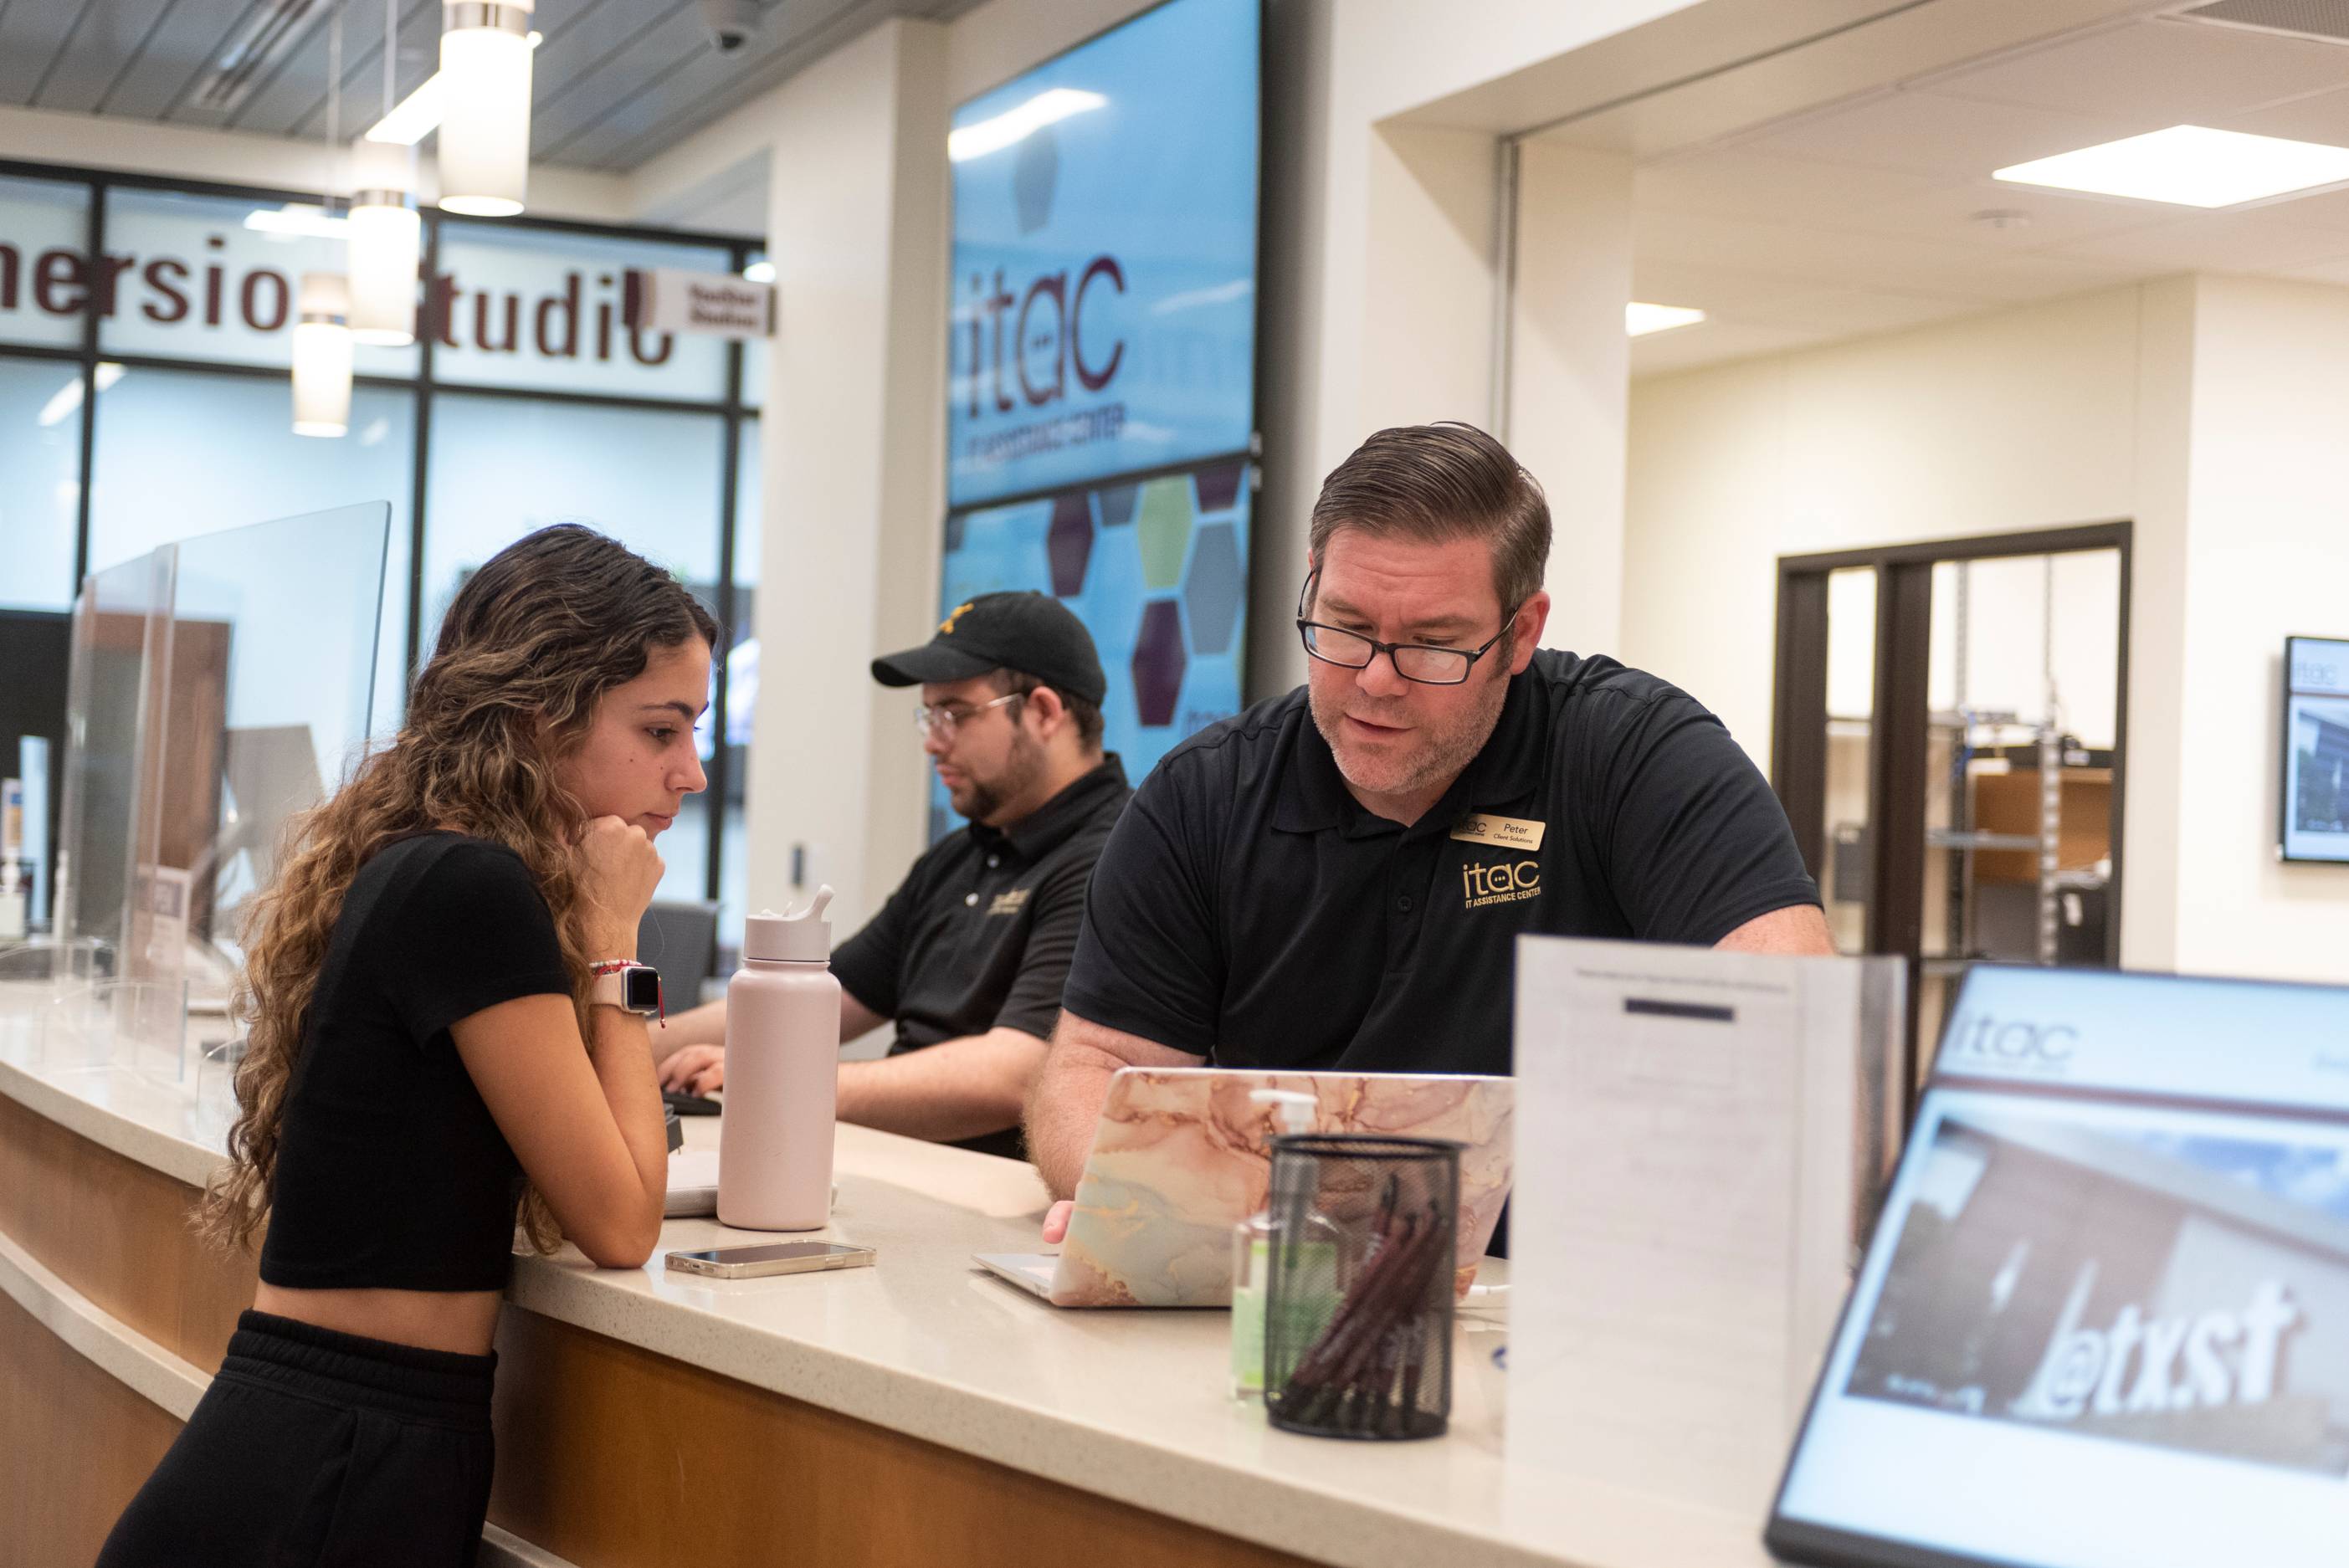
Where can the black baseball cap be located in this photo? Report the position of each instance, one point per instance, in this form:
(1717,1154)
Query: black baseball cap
(1033,632)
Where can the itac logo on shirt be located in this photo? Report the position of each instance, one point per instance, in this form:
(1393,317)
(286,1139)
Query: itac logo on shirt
(2010,1045)
(1508,883)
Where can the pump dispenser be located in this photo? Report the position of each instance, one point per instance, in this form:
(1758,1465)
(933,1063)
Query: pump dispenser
(1251,1249)
(782,1074)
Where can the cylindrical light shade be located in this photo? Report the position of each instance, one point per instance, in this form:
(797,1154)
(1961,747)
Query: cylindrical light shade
(485,91)
(322,357)
(385,235)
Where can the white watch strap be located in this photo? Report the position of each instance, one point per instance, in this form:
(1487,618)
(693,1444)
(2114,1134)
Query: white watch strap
(609,990)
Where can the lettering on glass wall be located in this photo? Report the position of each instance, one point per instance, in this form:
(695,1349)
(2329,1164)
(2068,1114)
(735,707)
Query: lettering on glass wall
(580,319)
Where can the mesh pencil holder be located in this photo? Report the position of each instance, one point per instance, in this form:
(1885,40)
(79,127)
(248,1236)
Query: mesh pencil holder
(1358,1310)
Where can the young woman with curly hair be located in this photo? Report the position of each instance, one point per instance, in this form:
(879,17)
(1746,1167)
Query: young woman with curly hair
(429,1058)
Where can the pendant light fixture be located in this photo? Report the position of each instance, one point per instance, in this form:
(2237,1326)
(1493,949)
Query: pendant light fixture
(322,332)
(322,357)
(385,234)
(485,124)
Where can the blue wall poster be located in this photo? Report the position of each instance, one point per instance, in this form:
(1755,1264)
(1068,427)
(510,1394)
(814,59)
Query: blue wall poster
(1103,291)
(1157,569)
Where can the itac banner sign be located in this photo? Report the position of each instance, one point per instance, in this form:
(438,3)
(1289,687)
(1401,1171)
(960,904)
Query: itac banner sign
(1103,305)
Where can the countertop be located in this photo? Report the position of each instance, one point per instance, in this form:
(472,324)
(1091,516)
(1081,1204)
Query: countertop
(1130,1405)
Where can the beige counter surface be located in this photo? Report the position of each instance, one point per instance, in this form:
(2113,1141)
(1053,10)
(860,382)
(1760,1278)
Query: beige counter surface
(1127,1404)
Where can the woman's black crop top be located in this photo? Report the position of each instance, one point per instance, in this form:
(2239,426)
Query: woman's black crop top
(392,1171)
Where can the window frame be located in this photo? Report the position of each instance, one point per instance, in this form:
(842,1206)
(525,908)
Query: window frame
(97,184)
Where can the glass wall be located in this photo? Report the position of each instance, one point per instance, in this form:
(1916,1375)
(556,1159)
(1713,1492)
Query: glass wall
(530,401)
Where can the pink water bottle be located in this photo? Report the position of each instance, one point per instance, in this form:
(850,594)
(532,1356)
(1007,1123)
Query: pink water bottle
(782,1067)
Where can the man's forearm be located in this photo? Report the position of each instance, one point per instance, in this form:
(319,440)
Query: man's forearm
(957,1088)
(702,1026)
(1063,1109)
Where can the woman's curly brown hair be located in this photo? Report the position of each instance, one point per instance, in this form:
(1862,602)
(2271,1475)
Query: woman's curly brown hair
(531,641)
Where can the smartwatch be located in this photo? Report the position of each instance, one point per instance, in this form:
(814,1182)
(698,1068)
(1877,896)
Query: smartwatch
(628,985)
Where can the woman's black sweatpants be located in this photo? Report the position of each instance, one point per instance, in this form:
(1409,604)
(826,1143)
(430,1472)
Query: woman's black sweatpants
(319,1449)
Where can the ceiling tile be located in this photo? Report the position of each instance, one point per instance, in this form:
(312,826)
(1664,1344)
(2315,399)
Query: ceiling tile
(1948,215)
(111,33)
(1740,182)
(1849,312)
(613,52)
(1713,342)
(2169,73)
(1926,133)
(1708,285)
(30,39)
(715,85)
(299,109)
(2317,116)
(2250,242)
(193,33)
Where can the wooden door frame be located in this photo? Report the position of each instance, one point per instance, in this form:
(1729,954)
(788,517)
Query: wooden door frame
(1898,718)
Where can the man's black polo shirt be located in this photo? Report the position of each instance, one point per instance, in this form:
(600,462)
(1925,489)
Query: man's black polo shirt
(1249,910)
(980,931)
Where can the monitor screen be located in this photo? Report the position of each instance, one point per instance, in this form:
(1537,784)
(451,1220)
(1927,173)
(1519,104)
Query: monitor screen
(2315,749)
(2105,1319)
(1103,294)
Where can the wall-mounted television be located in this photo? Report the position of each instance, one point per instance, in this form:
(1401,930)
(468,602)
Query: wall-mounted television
(2315,816)
(1103,314)
(1101,359)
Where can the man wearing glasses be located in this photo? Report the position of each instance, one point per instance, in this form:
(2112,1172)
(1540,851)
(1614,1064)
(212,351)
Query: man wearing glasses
(1335,880)
(968,957)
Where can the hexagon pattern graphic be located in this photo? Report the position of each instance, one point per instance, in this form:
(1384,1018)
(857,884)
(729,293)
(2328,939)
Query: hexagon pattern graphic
(1219,486)
(1164,530)
(1035,177)
(1069,542)
(1156,569)
(1158,663)
(1214,591)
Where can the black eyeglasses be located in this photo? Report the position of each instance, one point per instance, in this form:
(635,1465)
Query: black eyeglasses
(1413,661)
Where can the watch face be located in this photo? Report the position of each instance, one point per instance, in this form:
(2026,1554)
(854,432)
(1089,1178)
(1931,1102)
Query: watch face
(641,989)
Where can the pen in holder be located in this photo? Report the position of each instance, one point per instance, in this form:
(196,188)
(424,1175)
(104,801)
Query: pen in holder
(1358,1316)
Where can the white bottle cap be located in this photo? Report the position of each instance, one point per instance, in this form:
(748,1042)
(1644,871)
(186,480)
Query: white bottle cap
(1294,1109)
(803,936)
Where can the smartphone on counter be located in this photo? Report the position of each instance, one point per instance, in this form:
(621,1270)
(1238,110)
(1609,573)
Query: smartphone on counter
(770,1258)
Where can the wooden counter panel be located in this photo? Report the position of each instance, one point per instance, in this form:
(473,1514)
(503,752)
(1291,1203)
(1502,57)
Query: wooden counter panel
(78,1444)
(613,1457)
(118,1231)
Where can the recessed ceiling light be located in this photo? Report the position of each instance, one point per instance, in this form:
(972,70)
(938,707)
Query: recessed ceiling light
(2188,166)
(1639,319)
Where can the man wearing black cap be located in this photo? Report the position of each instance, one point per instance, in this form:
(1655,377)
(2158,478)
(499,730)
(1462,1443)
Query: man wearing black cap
(968,957)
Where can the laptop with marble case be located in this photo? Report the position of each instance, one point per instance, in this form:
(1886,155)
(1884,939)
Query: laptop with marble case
(1181,1155)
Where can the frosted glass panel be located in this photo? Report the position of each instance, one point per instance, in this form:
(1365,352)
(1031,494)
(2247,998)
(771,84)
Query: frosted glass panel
(40,493)
(503,467)
(44,265)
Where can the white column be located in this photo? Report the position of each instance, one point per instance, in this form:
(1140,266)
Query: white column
(1569,377)
(851,454)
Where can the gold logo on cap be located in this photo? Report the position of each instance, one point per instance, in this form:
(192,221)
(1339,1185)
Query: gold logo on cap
(946,626)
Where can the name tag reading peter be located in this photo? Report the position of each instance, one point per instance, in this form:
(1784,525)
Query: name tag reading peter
(1501,833)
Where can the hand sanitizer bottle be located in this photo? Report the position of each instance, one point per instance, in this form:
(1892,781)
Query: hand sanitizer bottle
(782,1075)
(1251,1253)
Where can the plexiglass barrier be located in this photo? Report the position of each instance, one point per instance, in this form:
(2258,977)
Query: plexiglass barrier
(219,687)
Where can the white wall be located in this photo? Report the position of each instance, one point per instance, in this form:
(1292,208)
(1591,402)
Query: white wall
(2267,526)
(1996,424)
(2207,410)
(849,461)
